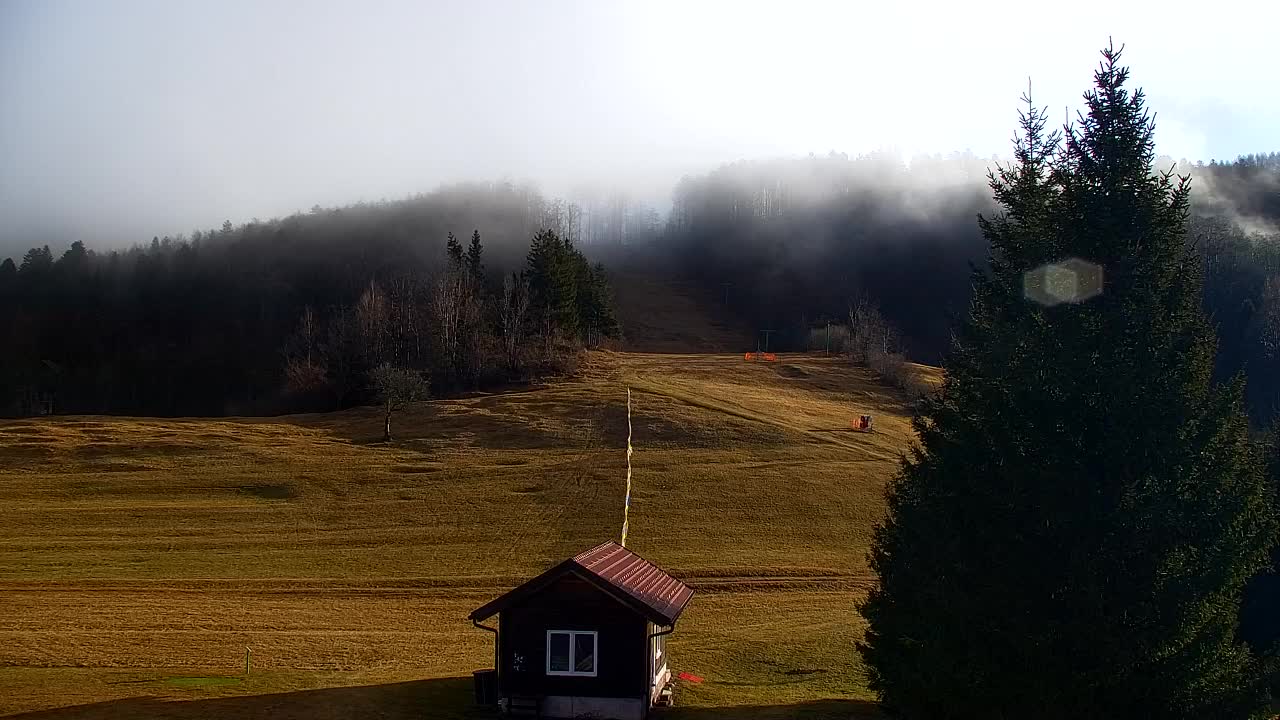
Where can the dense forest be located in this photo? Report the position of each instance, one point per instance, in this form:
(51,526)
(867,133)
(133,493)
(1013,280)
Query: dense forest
(291,314)
(793,243)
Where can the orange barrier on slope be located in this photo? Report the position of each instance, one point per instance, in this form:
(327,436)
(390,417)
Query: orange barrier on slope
(766,357)
(862,424)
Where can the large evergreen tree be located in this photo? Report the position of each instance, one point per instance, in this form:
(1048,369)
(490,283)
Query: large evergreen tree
(595,303)
(475,260)
(553,269)
(1260,610)
(453,249)
(1072,534)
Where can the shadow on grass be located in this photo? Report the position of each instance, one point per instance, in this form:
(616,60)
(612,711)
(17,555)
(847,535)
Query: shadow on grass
(491,421)
(444,698)
(438,699)
(812,710)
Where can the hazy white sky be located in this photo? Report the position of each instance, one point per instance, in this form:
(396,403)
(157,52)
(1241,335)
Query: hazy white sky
(125,119)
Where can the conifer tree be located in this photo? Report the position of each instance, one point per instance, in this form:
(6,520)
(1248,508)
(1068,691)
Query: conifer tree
(595,303)
(475,260)
(1071,536)
(453,250)
(37,262)
(553,283)
(1260,609)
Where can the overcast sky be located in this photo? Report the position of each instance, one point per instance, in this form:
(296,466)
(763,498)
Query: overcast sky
(121,120)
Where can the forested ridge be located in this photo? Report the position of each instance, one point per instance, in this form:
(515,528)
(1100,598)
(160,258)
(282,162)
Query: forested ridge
(208,323)
(292,314)
(794,243)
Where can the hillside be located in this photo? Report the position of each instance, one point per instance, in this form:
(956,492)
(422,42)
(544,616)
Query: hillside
(140,557)
(660,314)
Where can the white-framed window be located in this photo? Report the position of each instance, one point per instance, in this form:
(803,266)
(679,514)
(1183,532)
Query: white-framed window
(659,655)
(571,652)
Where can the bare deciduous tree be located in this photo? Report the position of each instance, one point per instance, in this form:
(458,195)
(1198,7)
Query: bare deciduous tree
(447,298)
(871,333)
(304,370)
(405,320)
(307,336)
(458,311)
(471,333)
(514,307)
(873,342)
(301,376)
(343,351)
(372,320)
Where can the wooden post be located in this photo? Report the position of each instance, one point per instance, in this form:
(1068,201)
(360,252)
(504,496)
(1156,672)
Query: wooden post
(386,425)
(247,654)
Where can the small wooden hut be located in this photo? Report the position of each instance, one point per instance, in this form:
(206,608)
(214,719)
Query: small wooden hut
(587,637)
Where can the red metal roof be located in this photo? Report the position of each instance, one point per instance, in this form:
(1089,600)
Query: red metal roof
(615,569)
(637,577)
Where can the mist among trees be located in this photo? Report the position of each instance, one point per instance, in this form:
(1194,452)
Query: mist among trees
(791,244)
(291,314)
(294,314)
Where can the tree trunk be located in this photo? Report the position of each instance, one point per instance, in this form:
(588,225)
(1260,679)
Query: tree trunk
(386,425)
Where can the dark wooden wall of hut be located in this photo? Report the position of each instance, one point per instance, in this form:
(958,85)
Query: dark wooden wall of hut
(571,603)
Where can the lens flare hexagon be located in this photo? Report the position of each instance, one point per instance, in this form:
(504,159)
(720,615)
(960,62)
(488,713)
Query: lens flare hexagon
(1067,281)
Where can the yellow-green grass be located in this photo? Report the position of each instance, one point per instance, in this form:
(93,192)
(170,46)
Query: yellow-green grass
(138,552)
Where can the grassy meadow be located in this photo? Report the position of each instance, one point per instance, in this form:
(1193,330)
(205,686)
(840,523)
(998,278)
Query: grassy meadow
(139,558)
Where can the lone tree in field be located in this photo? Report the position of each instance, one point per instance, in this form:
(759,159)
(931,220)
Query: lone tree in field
(1071,536)
(397,387)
